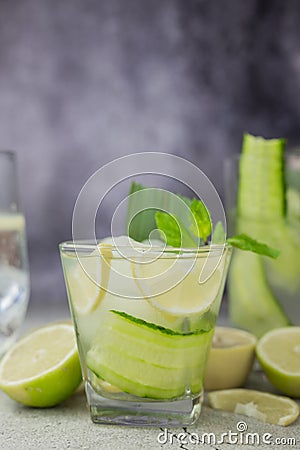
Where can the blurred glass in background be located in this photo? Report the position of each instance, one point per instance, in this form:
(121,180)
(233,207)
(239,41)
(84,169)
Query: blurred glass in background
(264,292)
(14,274)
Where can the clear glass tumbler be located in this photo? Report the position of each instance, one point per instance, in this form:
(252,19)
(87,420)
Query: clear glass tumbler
(264,293)
(144,325)
(14,274)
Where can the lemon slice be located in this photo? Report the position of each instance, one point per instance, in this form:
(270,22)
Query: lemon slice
(43,368)
(278,352)
(87,282)
(262,406)
(172,285)
(230,359)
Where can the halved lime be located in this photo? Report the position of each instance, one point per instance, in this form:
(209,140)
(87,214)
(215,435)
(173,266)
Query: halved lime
(260,405)
(278,352)
(43,368)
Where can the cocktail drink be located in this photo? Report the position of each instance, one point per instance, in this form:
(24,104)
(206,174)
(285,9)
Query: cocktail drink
(144,322)
(263,200)
(145,305)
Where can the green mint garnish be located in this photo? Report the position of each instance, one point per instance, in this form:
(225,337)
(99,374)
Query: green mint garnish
(201,227)
(245,242)
(173,231)
(176,234)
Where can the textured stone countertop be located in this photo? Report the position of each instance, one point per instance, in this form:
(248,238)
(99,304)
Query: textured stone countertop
(68,426)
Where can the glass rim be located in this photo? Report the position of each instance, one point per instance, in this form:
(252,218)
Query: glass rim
(85,246)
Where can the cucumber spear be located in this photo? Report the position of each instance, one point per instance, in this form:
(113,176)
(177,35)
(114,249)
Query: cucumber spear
(261,213)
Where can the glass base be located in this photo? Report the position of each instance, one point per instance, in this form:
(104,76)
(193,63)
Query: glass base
(179,412)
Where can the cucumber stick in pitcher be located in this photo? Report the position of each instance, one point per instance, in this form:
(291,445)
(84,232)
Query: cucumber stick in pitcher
(261,192)
(260,289)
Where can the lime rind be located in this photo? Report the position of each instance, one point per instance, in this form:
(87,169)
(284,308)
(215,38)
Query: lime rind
(276,351)
(48,387)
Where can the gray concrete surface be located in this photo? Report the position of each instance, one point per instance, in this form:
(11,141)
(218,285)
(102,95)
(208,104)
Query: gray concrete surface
(68,426)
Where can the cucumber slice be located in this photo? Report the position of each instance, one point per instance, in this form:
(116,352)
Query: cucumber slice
(283,271)
(261,193)
(252,304)
(293,204)
(261,212)
(147,360)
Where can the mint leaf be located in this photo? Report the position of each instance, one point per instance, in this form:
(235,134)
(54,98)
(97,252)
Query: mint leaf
(219,234)
(175,232)
(178,235)
(202,228)
(244,242)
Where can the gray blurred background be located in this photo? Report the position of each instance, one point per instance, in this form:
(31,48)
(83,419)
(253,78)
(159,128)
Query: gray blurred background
(84,82)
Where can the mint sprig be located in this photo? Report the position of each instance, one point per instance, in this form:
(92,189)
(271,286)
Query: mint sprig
(245,242)
(176,234)
(201,226)
(173,231)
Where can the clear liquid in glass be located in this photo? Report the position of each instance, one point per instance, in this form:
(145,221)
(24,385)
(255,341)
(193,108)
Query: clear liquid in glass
(14,278)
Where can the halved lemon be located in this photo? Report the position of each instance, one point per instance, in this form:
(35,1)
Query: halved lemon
(260,405)
(42,369)
(230,359)
(278,352)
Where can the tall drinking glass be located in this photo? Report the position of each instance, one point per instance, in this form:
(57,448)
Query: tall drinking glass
(264,293)
(14,276)
(144,325)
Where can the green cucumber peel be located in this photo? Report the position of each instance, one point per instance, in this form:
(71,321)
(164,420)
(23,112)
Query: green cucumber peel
(147,360)
(153,326)
(143,223)
(262,183)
